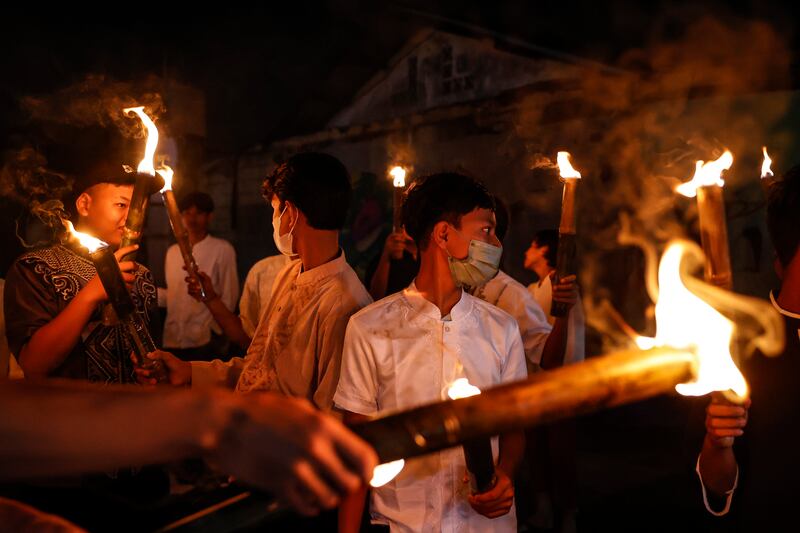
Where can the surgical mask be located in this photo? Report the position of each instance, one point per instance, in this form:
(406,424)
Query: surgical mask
(479,267)
(283,242)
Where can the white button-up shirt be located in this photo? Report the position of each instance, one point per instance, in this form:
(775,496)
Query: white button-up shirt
(297,346)
(400,353)
(576,324)
(511,296)
(189,323)
(257,290)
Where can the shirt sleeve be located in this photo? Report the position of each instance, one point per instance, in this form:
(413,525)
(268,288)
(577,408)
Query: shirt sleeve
(249,304)
(229,279)
(329,358)
(728,495)
(533,325)
(28,306)
(514,368)
(357,390)
(217,373)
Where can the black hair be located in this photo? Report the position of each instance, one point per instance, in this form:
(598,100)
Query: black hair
(783,215)
(502,217)
(318,184)
(549,238)
(440,197)
(200,200)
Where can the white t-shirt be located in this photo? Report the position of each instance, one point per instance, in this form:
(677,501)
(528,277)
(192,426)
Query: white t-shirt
(512,297)
(258,289)
(189,323)
(400,353)
(542,292)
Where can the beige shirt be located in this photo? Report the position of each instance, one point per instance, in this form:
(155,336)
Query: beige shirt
(297,346)
(576,334)
(512,297)
(401,353)
(258,289)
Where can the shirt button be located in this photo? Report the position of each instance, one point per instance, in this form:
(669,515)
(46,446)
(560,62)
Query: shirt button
(447,329)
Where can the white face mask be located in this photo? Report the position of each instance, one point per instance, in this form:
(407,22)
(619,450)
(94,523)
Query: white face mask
(479,267)
(283,242)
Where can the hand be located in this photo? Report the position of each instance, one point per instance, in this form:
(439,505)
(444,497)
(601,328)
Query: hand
(497,501)
(397,243)
(284,445)
(725,420)
(194,288)
(166,368)
(94,289)
(565,291)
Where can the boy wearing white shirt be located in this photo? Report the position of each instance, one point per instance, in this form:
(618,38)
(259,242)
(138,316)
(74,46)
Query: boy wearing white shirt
(405,350)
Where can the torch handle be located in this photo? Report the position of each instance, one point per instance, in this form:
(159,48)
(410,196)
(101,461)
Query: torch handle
(478,456)
(565,266)
(397,209)
(182,238)
(132,233)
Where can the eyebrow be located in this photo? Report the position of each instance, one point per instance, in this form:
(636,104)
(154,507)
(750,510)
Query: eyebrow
(122,197)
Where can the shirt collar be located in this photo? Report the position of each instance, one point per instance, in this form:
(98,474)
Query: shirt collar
(424,307)
(317,274)
(781,310)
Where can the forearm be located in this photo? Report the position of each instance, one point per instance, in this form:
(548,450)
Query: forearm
(718,467)
(380,280)
(512,449)
(230,323)
(90,429)
(350,511)
(556,345)
(49,345)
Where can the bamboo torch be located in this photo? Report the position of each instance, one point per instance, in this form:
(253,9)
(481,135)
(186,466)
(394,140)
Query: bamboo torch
(707,185)
(144,186)
(118,296)
(398,175)
(178,229)
(477,452)
(567,235)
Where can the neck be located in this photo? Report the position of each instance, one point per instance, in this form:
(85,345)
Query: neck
(789,297)
(435,283)
(195,237)
(542,270)
(317,247)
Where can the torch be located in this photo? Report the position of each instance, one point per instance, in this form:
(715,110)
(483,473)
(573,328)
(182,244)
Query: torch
(767,176)
(477,452)
(398,175)
(690,353)
(118,296)
(707,185)
(144,186)
(181,235)
(567,240)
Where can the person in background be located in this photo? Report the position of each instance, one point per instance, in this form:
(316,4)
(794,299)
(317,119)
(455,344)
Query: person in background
(395,267)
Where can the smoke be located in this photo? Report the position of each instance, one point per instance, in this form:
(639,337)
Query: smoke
(698,87)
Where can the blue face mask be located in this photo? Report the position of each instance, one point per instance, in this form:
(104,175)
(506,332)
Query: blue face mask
(479,267)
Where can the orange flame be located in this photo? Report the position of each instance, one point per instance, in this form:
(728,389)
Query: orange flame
(167,173)
(146,164)
(706,174)
(384,473)
(766,171)
(565,167)
(462,388)
(87,241)
(685,321)
(399,175)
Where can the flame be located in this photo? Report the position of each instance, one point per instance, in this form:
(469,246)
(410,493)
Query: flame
(146,164)
(166,172)
(399,175)
(462,388)
(766,171)
(565,167)
(87,241)
(383,474)
(706,174)
(684,320)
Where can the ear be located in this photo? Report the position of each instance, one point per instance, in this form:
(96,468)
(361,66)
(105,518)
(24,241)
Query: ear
(83,203)
(440,234)
(292,214)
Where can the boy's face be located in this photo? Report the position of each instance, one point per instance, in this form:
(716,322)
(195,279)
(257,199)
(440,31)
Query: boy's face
(196,221)
(478,224)
(102,211)
(535,256)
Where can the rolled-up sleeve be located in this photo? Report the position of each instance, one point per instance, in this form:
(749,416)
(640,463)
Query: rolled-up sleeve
(217,373)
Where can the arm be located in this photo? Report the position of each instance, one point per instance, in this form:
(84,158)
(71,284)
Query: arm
(393,249)
(566,291)
(717,466)
(51,344)
(352,507)
(230,323)
(279,444)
